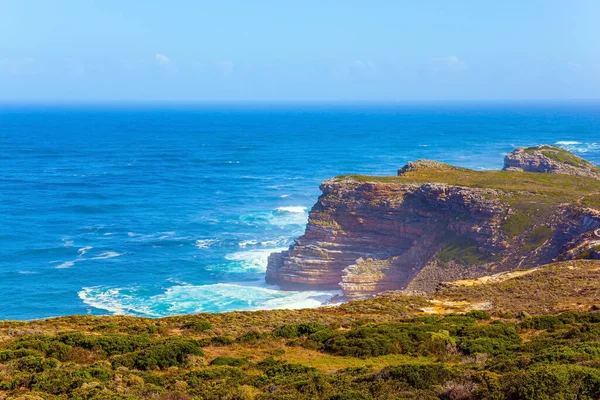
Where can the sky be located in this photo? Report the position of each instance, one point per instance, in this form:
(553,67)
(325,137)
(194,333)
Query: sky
(309,50)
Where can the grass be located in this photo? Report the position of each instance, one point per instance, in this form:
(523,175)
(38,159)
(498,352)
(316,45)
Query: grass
(560,155)
(461,250)
(522,186)
(387,347)
(550,289)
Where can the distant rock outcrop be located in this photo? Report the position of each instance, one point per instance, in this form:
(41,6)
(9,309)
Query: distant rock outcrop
(549,159)
(435,223)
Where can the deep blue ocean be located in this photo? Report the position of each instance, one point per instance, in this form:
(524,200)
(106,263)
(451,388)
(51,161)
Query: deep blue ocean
(162,210)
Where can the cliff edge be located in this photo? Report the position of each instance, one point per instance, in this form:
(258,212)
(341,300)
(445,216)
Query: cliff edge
(435,222)
(549,159)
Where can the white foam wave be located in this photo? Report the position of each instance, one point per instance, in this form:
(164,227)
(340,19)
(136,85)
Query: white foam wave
(81,252)
(252,259)
(289,215)
(291,209)
(112,300)
(66,264)
(567,142)
(264,243)
(185,299)
(579,147)
(106,254)
(205,243)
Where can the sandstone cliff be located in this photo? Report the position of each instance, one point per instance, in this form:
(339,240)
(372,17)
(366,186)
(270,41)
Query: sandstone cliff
(549,159)
(435,223)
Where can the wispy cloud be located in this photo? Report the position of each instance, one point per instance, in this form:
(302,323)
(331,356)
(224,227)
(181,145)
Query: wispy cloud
(165,63)
(453,62)
(161,59)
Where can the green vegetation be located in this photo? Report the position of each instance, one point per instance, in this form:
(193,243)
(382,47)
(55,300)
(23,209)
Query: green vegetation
(539,340)
(520,184)
(559,155)
(461,250)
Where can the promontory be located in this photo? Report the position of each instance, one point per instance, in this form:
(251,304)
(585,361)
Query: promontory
(434,223)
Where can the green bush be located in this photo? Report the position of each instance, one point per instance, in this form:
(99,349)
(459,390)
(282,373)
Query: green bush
(251,336)
(418,376)
(479,315)
(492,339)
(234,362)
(295,330)
(217,341)
(351,395)
(171,352)
(541,322)
(198,326)
(560,382)
(36,364)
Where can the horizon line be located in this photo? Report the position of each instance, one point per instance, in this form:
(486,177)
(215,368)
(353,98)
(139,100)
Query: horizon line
(286,102)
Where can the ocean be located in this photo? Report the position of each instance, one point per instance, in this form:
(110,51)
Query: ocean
(157,210)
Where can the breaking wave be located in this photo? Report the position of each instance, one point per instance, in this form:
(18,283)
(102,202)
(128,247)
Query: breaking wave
(185,299)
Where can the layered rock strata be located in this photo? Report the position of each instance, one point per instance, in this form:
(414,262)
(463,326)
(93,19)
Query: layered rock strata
(549,159)
(366,235)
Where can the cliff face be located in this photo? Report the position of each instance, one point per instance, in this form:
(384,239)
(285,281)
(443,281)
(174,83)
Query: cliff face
(434,223)
(549,159)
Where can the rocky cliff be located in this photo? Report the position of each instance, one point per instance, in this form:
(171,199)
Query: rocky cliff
(549,159)
(433,223)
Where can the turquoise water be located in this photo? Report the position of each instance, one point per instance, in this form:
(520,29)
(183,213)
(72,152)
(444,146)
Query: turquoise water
(167,210)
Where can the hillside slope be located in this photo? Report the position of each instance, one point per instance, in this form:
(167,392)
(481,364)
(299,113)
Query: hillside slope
(537,339)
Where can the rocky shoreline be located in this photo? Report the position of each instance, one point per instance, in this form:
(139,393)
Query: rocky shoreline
(434,223)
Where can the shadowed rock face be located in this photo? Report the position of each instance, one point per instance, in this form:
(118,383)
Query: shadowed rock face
(377,221)
(549,159)
(366,235)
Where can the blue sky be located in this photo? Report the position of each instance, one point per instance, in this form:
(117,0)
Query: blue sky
(263,50)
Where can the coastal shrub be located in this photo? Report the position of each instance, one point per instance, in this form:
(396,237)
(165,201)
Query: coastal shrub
(251,336)
(284,369)
(197,326)
(321,336)
(49,346)
(217,341)
(570,353)
(479,315)
(109,345)
(295,330)
(538,236)
(388,338)
(36,364)
(8,355)
(541,322)
(418,376)
(171,352)
(518,222)
(549,382)
(234,362)
(350,395)
(494,338)
(461,250)
(56,381)
(94,372)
